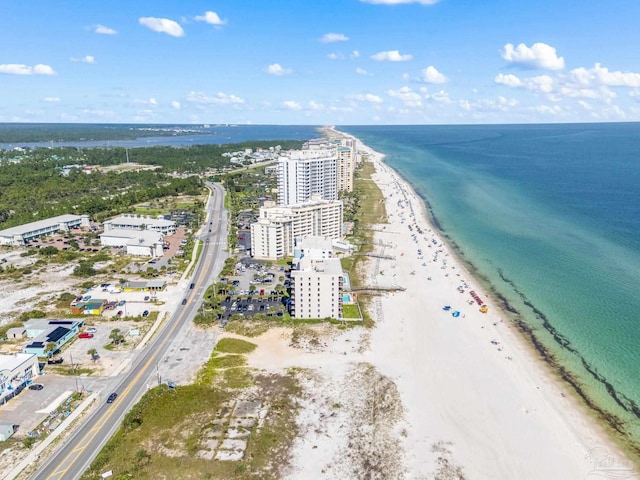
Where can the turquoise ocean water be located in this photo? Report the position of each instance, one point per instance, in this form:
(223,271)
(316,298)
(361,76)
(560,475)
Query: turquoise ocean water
(550,216)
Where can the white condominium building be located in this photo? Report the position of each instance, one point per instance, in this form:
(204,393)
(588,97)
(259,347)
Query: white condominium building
(20,235)
(273,235)
(346,167)
(316,288)
(304,173)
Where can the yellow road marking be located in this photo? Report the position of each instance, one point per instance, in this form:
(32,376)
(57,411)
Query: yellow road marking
(94,431)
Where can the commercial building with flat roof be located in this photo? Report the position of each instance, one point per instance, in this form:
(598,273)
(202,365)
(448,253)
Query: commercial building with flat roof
(17,370)
(20,235)
(141,222)
(144,243)
(44,331)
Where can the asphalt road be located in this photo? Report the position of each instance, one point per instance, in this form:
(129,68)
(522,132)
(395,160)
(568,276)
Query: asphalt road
(77,452)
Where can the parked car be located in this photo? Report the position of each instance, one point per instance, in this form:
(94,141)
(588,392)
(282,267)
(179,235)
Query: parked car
(119,313)
(145,313)
(55,361)
(36,386)
(192,285)
(91,330)
(146,299)
(112,397)
(85,335)
(184,301)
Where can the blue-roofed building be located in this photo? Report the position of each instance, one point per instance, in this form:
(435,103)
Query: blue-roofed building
(44,331)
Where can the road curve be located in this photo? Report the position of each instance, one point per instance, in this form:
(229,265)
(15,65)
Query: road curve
(77,452)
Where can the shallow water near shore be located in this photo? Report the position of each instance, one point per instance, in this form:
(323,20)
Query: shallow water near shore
(549,215)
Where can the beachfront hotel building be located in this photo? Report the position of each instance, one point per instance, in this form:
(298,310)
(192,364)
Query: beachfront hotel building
(345,168)
(316,288)
(141,222)
(22,234)
(273,235)
(305,173)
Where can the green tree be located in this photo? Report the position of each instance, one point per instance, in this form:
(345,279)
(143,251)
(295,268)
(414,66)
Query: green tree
(116,336)
(93,353)
(50,348)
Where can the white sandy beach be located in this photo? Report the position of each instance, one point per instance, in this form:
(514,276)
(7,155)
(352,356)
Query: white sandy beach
(469,380)
(429,395)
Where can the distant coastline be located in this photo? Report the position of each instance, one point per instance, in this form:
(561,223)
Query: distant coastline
(23,135)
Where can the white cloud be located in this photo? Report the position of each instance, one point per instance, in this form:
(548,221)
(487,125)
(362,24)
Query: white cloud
(335,56)
(85,59)
(355,54)
(104,30)
(547,110)
(366,97)
(509,80)
(432,75)
(211,18)
(601,76)
(21,69)
(391,56)
(277,70)
(407,96)
(541,83)
(51,99)
(291,105)
(316,106)
(334,37)
(584,105)
(162,25)
(400,2)
(540,55)
(440,97)
(149,102)
(362,71)
(218,99)
(175,105)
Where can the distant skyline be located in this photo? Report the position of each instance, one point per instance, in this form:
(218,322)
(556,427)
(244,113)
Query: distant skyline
(346,62)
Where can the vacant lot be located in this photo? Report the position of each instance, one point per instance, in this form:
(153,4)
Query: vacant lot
(232,423)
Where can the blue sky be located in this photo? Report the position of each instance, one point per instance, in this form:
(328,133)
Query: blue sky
(319,62)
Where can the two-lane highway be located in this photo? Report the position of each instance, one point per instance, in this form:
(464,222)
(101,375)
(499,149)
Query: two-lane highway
(77,452)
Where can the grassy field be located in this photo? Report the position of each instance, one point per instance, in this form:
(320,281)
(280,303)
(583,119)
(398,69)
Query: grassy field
(370,211)
(350,311)
(166,433)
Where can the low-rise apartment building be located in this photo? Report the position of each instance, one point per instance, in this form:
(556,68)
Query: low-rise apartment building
(141,222)
(20,235)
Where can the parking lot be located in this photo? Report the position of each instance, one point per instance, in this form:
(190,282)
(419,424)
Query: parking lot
(254,290)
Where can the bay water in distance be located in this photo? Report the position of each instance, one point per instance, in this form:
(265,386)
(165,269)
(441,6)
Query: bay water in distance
(549,217)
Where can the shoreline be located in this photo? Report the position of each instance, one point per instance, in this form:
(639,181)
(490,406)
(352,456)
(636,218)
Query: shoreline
(572,414)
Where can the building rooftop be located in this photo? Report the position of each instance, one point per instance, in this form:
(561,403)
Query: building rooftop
(13,360)
(40,224)
(139,220)
(328,266)
(135,237)
(318,243)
